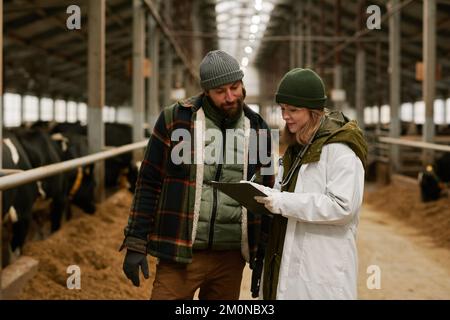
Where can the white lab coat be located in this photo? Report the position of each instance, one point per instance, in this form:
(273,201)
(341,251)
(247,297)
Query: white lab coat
(319,258)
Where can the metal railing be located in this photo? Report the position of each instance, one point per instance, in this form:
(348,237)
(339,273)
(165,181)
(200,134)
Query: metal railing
(17,179)
(415,144)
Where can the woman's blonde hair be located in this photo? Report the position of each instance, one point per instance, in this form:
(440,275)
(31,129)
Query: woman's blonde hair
(304,134)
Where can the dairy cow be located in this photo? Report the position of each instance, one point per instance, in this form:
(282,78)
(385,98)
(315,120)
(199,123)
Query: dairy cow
(116,134)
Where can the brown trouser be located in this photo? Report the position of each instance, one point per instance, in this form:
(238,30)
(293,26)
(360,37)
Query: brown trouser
(218,274)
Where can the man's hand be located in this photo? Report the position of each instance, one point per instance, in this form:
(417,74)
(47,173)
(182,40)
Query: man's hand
(133,260)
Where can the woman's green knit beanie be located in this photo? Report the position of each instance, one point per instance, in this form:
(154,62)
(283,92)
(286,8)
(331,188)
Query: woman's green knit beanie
(302,88)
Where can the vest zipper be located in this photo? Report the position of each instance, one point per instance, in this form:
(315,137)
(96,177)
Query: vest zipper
(216,178)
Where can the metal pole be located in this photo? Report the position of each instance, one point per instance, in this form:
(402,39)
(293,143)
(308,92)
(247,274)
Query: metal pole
(53,108)
(379,84)
(168,59)
(322,33)
(138,76)
(1,141)
(360,70)
(337,25)
(360,86)
(66,110)
(292,44)
(429,79)
(395,80)
(96,87)
(77,111)
(415,144)
(337,81)
(39,107)
(301,33)
(309,49)
(22,108)
(153,80)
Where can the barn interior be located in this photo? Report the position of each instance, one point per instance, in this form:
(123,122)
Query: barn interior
(118,63)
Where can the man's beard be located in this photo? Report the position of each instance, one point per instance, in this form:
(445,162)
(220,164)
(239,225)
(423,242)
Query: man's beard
(234,112)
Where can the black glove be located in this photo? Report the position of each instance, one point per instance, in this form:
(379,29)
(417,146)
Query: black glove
(256,277)
(131,265)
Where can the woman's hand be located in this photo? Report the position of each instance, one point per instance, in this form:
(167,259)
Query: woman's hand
(271,202)
(272,199)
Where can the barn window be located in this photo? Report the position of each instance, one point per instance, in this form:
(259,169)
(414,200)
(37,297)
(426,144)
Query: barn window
(82,113)
(11,116)
(46,109)
(448,111)
(439,115)
(71,111)
(31,109)
(368,115)
(385,114)
(406,112)
(124,115)
(419,112)
(60,111)
(109,114)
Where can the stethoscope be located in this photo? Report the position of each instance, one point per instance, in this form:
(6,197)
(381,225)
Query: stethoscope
(299,156)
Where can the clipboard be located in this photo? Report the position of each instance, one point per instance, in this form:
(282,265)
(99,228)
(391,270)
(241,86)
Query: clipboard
(244,194)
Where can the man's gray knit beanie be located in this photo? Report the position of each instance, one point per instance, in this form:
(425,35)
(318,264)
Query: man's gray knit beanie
(218,68)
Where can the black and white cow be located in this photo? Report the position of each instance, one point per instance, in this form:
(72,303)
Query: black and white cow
(76,185)
(41,152)
(435,178)
(17,202)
